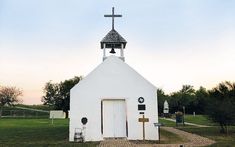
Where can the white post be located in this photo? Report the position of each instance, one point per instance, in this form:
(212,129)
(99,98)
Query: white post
(104,52)
(122,52)
(122,55)
(52,120)
(84,132)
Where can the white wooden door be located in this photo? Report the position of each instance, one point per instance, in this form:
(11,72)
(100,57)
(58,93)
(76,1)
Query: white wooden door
(114,118)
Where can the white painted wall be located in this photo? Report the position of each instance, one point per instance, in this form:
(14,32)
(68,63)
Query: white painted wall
(57,114)
(113,79)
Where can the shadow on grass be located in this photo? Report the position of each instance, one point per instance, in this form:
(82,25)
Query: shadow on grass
(165,138)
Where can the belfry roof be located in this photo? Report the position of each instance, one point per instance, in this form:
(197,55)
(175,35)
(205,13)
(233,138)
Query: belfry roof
(113,38)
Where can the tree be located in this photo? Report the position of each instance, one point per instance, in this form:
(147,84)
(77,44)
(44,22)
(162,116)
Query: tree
(64,88)
(202,97)
(52,95)
(174,102)
(188,98)
(57,95)
(9,96)
(184,97)
(221,106)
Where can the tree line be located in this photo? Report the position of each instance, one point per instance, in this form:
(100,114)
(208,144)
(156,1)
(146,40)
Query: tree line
(217,103)
(57,95)
(193,100)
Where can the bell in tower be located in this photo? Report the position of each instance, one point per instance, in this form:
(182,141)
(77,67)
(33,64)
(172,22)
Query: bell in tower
(112,51)
(113,40)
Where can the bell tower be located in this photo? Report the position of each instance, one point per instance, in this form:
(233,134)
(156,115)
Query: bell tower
(113,40)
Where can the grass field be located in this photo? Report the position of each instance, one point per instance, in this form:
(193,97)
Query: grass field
(167,123)
(41,132)
(23,112)
(170,138)
(40,107)
(36,132)
(222,140)
(211,132)
(199,119)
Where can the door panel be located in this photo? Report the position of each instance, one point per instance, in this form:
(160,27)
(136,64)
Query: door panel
(114,118)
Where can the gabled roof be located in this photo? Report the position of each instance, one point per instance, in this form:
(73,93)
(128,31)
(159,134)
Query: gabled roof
(113,72)
(113,39)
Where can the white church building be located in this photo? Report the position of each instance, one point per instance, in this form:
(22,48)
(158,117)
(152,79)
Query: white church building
(113,101)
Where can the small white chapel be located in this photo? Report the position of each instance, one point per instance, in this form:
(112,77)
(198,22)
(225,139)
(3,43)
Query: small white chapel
(113,101)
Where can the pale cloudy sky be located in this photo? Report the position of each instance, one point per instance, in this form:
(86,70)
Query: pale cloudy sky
(170,42)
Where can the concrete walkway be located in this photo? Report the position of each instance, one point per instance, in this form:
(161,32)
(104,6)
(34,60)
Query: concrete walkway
(187,123)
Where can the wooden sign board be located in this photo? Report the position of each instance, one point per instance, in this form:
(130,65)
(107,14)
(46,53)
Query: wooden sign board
(143,119)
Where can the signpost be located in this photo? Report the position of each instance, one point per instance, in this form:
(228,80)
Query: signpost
(158,125)
(143,120)
(183,114)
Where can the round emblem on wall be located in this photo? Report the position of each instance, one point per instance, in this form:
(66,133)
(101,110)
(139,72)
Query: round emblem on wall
(84,120)
(140,99)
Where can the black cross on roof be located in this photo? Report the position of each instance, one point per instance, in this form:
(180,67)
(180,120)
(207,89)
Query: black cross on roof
(113,16)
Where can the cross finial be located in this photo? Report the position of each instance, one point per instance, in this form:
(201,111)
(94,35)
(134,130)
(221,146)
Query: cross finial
(113,15)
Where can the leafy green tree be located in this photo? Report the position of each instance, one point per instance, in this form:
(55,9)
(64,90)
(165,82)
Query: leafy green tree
(184,97)
(9,96)
(174,103)
(202,97)
(161,98)
(64,88)
(57,95)
(221,106)
(51,97)
(188,98)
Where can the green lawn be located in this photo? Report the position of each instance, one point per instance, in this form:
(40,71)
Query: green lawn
(41,132)
(169,138)
(211,132)
(40,107)
(167,123)
(222,140)
(36,132)
(10,112)
(165,138)
(199,119)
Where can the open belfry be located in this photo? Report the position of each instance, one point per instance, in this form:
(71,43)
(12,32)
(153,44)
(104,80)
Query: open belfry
(113,101)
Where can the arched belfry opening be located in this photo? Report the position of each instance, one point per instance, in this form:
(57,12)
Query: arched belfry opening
(113,41)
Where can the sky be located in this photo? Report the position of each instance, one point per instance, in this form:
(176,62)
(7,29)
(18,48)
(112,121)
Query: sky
(170,42)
